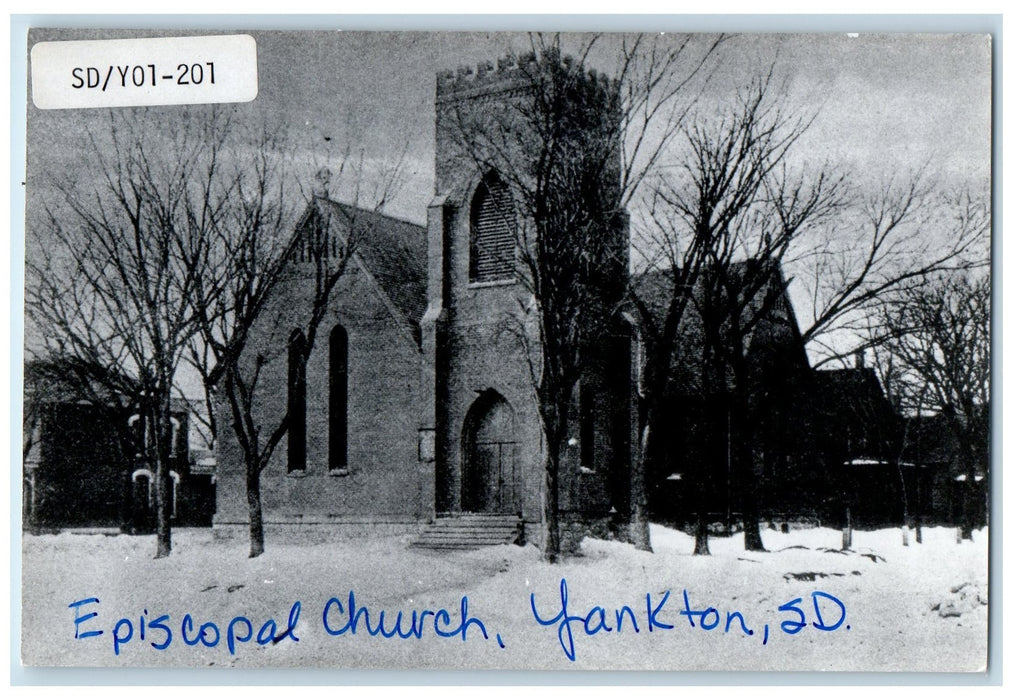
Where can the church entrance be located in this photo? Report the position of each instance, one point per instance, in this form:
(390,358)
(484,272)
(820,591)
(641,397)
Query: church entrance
(490,475)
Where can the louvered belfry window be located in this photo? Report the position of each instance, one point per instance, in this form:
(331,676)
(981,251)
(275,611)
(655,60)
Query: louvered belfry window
(493,239)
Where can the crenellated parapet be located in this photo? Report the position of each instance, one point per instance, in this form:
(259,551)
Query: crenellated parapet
(514,72)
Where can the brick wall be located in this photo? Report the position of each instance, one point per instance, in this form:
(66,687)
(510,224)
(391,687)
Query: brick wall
(384,481)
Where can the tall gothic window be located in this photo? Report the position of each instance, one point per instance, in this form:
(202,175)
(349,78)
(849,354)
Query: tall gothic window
(493,225)
(297,402)
(338,401)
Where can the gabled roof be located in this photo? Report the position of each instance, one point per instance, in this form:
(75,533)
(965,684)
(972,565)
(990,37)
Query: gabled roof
(393,251)
(761,316)
(69,380)
(851,381)
(854,402)
(855,390)
(655,289)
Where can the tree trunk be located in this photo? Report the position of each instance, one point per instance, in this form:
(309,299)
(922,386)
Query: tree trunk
(701,546)
(551,549)
(905,505)
(847,532)
(965,465)
(163,528)
(640,527)
(742,454)
(918,510)
(162,431)
(967,519)
(256,511)
(751,525)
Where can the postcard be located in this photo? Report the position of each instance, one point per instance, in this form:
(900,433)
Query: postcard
(434,350)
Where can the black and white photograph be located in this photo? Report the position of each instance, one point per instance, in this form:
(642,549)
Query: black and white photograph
(507,351)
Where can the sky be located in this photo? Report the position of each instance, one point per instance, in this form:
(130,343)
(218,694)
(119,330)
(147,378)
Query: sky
(883,105)
(882,102)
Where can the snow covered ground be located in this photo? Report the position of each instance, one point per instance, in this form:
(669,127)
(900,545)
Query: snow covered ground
(882,606)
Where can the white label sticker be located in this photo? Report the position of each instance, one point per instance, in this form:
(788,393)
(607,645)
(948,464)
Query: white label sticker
(140,72)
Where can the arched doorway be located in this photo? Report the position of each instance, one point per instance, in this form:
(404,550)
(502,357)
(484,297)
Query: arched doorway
(490,478)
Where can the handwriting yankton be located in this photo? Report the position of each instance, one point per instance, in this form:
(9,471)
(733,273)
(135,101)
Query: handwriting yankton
(615,620)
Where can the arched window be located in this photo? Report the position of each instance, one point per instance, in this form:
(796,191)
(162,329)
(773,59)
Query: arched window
(296,402)
(492,232)
(338,401)
(137,434)
(174,440)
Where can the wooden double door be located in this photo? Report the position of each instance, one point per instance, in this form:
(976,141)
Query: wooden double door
(491,475)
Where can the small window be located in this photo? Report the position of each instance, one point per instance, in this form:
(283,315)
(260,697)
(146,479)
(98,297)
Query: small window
(297,402)
(137,434)
(493,237)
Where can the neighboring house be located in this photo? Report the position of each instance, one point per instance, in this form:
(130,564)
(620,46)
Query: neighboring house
(417,401)
(697,449)
(82,464)
(947,487)
(861,434)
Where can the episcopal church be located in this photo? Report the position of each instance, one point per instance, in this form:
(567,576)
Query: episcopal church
(417,401)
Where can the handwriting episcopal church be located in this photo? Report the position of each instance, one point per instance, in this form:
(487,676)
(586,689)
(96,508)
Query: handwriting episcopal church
(416,405)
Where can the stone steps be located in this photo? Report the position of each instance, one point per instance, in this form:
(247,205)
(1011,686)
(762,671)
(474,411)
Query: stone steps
(470,531)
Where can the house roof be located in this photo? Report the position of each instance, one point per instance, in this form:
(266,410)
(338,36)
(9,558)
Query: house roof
(64,380)
(855,389)
(850,381)
(929,440)
(70,380)
(857,411)
(393,251)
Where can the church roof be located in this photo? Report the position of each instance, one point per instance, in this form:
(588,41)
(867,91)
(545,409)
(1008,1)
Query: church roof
(393,251)
(762,316)
(654,289)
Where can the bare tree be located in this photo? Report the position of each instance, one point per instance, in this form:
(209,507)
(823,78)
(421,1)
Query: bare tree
(252,252)
(739,194)
(236,262)
(573,148)
(729,214)
(106,284)
(888,240)
(908,398)
(939,340)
